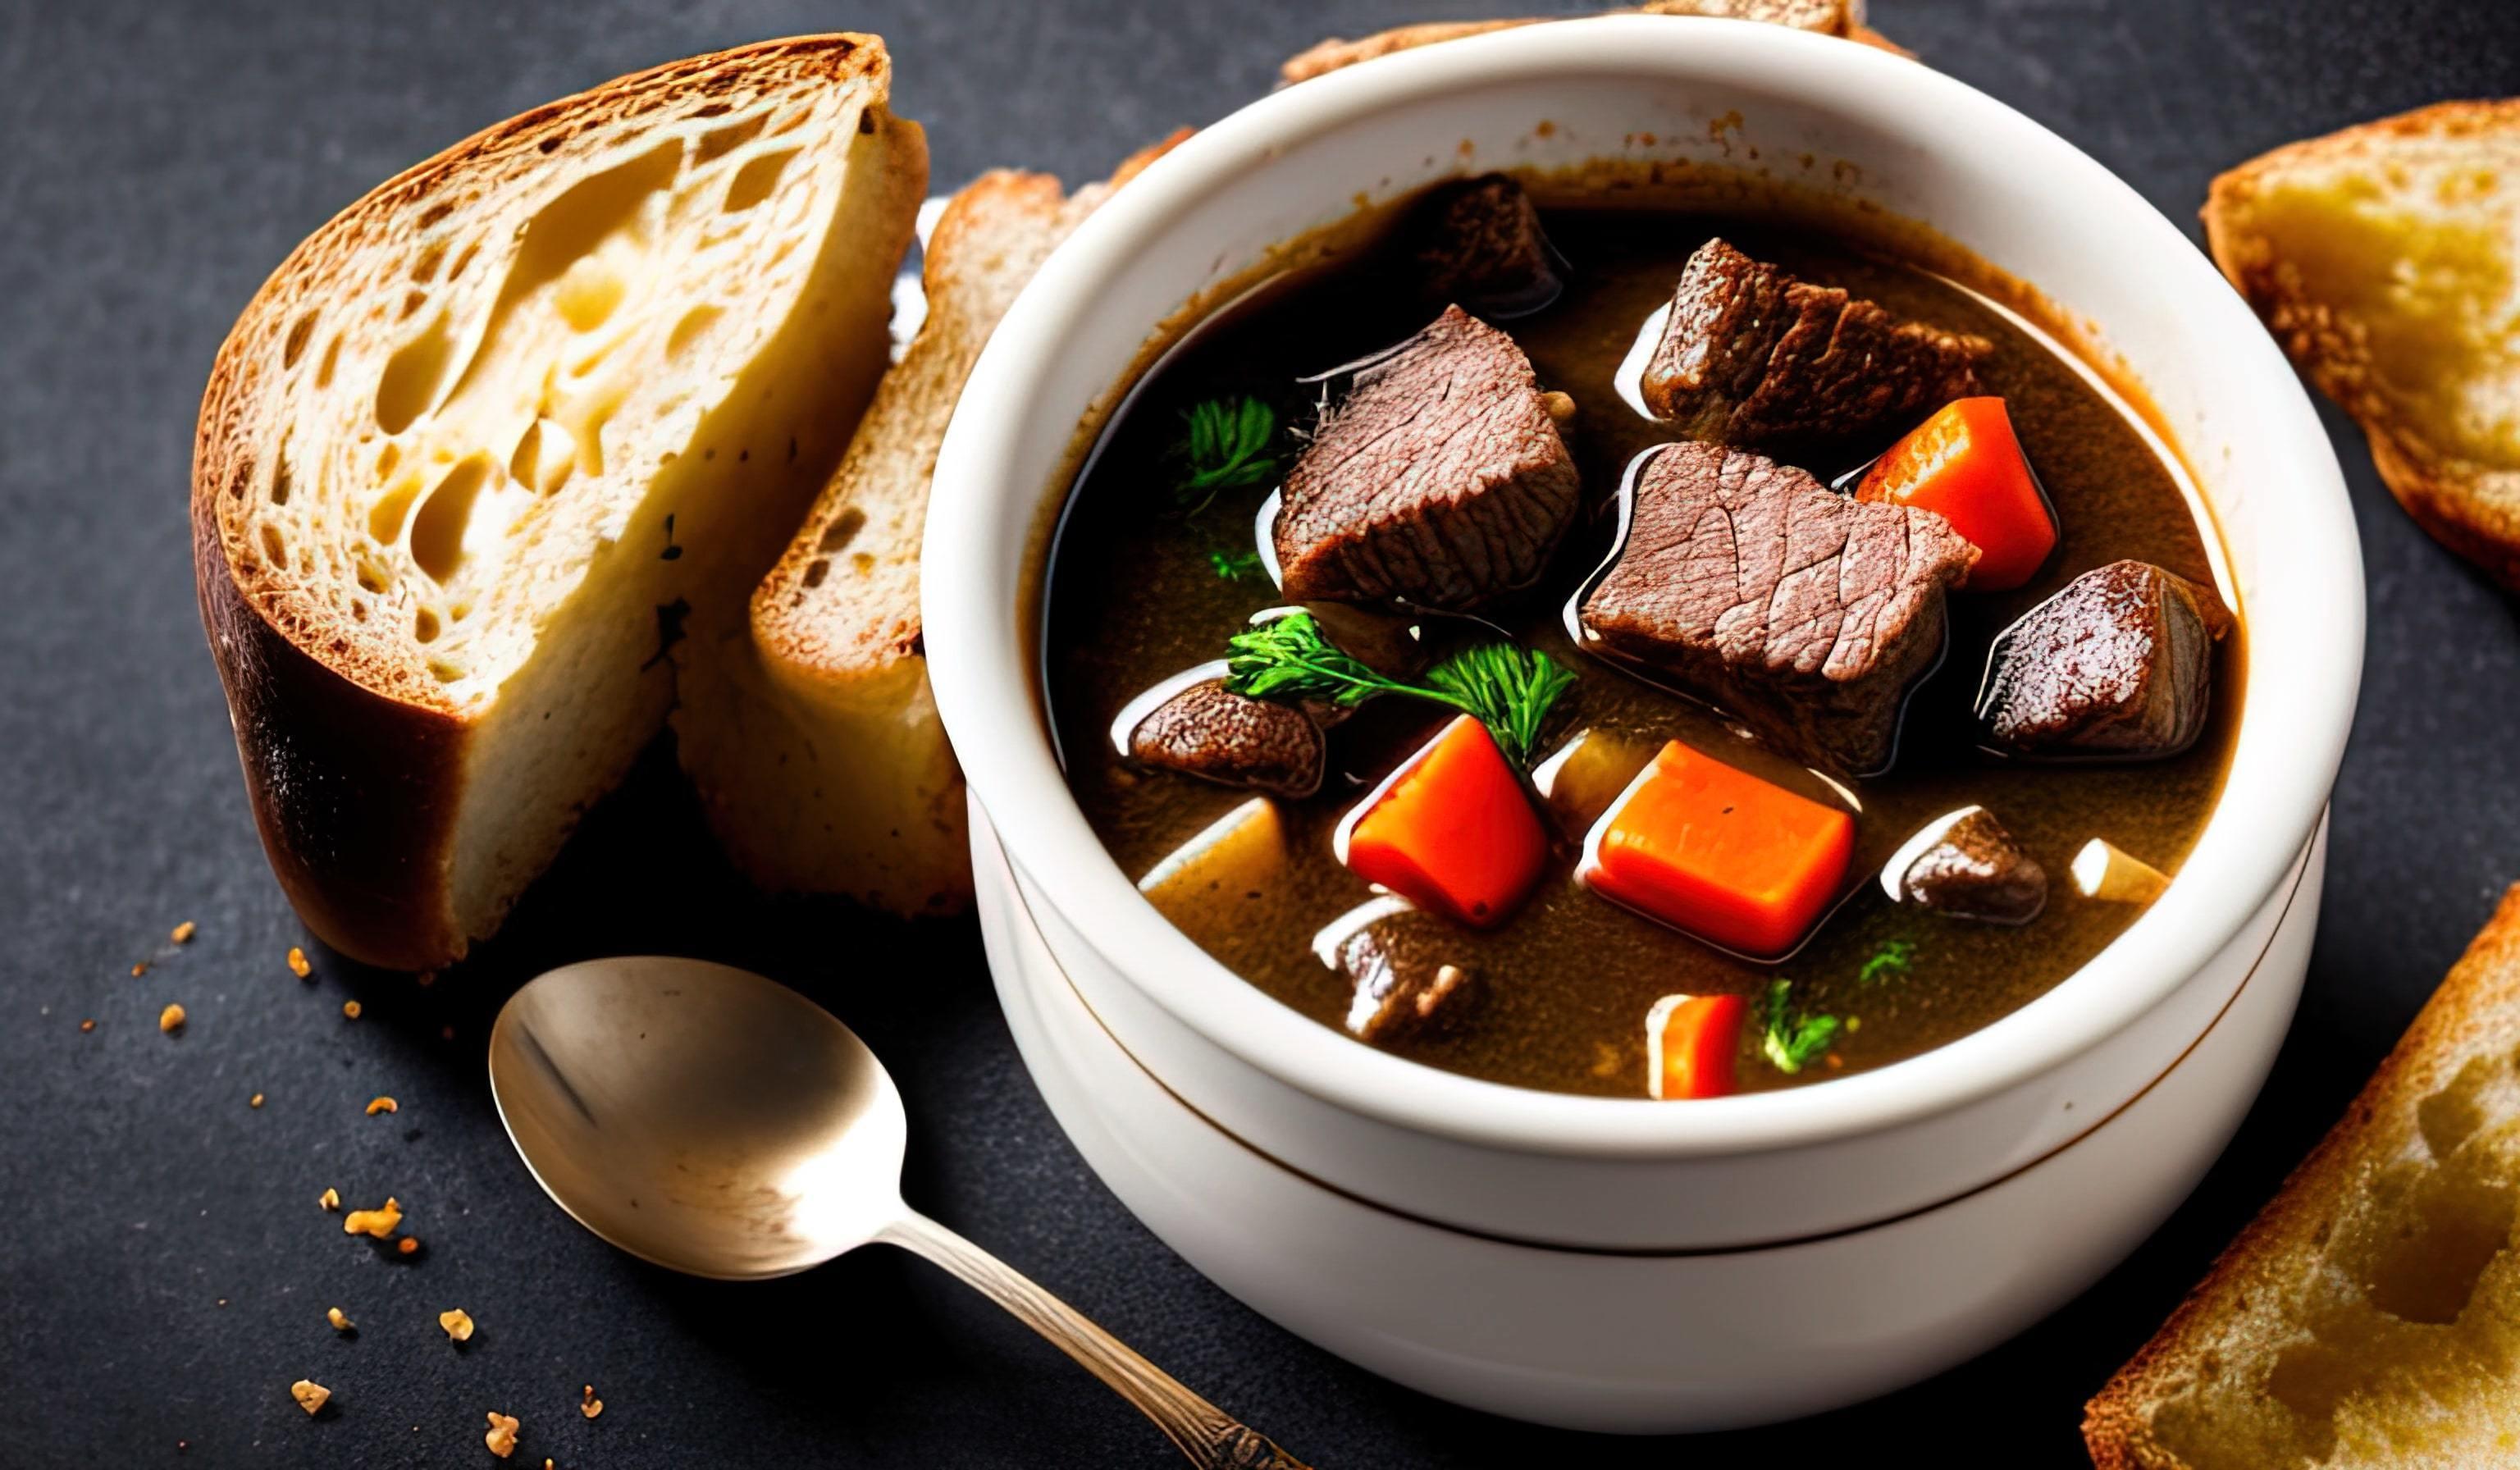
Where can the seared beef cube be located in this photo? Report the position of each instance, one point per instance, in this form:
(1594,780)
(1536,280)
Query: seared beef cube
(1750,355)
(1403,976)
(1973,869)
(1208,732)
(2120,663)
(1805,614)
(1479,243)
(1439,480)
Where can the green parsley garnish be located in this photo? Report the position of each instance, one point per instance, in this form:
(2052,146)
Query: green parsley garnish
(1225,446)
(1891,961)
(1791,1038)
(1507,687)
(1232,569)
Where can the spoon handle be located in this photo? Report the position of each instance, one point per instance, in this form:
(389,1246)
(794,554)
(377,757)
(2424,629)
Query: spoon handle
(1209,1436)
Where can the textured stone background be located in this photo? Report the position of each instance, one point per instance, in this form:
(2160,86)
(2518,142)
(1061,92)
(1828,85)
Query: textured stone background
(163,1269)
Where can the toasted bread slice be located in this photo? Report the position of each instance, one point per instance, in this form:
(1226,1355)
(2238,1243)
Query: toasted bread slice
(495,437)
(2370,1315)
(2386,258)
(1833,17)
(810,733)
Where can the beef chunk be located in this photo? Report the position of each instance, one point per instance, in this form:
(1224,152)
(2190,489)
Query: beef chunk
(1974,870)
(2120,663)
(1403,976)
(1805,614)
(1479,243)
(1211,733)
(1750,355)
(1439,480)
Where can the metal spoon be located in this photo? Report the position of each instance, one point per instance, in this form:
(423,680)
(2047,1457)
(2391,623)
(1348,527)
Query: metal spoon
(713,1122)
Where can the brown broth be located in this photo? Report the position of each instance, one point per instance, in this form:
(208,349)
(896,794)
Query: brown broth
(1134,599)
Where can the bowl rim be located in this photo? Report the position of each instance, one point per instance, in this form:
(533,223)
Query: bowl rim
(981,659)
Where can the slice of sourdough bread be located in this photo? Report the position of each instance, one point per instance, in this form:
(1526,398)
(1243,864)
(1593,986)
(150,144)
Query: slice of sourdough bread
(2370,1315)
(495,438)
(810,732)
(1833,17)
(2386,258)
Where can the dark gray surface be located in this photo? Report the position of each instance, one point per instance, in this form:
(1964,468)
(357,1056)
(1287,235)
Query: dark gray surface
(163,1267)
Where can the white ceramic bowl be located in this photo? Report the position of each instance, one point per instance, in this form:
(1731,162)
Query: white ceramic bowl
(1592,1173)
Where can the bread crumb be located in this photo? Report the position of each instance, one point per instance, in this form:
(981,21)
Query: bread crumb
(183,932)
(171,1019)
(140,967)
(339,1319)
(310,1394)
(409,1245)
(427,978)
(350,1008)
(378,1106)
(87,1025)
(297,964)
(502,1438)
(378,1223)
(458,1325)
(590,1406)
(254,1101)
(330,1199)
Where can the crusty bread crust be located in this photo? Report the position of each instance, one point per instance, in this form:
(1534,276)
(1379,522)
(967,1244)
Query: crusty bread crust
(2476,1010)
(2472,508)
(1833,17)
(354,757)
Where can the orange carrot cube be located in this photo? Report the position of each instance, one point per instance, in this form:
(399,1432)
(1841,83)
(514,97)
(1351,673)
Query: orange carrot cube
(1736,861)
(1451,831)
(1966,465)
(1691,1045)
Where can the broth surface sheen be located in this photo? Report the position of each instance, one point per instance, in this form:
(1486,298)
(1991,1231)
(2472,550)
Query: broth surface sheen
(1136,596)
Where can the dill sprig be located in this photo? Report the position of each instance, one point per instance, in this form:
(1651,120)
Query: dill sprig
(1507,687)
(1790,1038)
(1891,961)
(1225,446)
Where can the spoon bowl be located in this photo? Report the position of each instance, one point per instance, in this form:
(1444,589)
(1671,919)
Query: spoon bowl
(700,1116)
(717,1123)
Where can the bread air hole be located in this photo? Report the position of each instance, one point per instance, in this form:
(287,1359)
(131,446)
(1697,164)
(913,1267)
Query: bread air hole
(424,625)
(437,531)
(720,141)
(408,386)
(695,322)
(589,293)
(754,182)
(275,547)
(385,518)
(842,530)
(301,333)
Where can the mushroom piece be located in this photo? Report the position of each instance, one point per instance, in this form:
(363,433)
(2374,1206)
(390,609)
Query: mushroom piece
(1209,731)
(1395,957)
(2105,872)
(1966,865)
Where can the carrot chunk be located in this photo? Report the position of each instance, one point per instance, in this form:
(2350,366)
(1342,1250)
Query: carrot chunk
(1738,862)
(1966,465)
(1451,831)
(1691,1042)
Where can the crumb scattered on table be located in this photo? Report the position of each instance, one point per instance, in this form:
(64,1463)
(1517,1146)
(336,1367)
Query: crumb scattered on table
(408,1245)
(502,1438)
(590,1406)
(183,932)
(297,964)
(350,1008)
(140,967)
(309,1394)
(378,1106)
(171,1019)
(254,1101)
(330,1199)
(378,1223)
(458,1325)
(87,1025)
(339,1319)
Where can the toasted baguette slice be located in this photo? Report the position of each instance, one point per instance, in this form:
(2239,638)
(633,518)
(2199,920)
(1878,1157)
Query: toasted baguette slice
(2370,1315)
(811,734)
(2386,258)
(495,437)
(1833,17)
